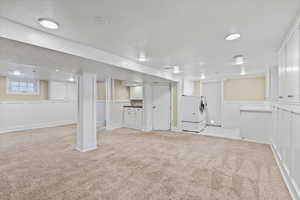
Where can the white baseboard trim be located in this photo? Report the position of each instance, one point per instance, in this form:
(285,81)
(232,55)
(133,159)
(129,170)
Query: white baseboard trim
(254,141)
(86,150)
(101,128)
(175,129)
(294,191)
(35,126)
(100,123)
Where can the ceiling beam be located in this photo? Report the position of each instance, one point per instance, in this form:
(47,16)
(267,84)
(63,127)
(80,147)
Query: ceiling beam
(19,32)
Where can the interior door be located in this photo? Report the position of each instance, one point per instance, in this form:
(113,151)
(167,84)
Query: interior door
(161,98)
(212,91)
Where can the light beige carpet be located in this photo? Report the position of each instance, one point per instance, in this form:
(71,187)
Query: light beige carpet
(132,165)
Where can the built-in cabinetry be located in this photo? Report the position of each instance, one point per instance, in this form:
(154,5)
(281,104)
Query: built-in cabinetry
(285,139)
(133,117)
(61,90)
(288,67)
(136,92)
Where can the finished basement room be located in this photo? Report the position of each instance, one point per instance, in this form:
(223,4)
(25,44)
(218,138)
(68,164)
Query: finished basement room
(149,100)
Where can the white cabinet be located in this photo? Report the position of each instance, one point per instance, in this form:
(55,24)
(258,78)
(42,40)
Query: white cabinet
(288,68)
(133,118)
(292,67)
(136,92)
(129,117)
(282,73)
(139,118)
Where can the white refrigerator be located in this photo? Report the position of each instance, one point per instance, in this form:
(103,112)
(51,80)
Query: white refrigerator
(193,118)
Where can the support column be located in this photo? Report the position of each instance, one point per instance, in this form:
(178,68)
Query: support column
(108,102)
(179,95)
(86,126)
(147,101)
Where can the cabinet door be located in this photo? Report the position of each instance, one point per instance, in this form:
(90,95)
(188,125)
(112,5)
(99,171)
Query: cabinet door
(126,118)
(136,92)
(139,118)
(131,117)
(292,67)
(281,73)
(139,92)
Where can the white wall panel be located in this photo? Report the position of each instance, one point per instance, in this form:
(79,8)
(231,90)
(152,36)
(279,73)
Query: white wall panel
(231,111)
(36,114)
(100,113)
(286,143)
(117,112)
(295,145)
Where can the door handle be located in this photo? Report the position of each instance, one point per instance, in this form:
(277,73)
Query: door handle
(290,96)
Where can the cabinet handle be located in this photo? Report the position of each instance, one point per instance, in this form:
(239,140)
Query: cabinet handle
(290,96)
(280,97)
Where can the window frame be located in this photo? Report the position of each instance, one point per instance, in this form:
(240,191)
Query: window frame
(9,92)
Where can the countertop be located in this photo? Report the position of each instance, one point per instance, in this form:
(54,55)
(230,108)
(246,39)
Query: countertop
(133,106)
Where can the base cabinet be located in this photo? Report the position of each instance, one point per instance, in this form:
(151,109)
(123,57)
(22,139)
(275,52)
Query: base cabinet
(133,118)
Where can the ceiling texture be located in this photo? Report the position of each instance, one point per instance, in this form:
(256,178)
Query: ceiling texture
(187,33)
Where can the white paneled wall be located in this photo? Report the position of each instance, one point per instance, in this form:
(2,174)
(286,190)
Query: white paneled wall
(117,107)
(231,111)
(22,115)
(285,139)
(100,113)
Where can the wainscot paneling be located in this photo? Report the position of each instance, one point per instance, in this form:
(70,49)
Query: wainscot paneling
(285,139)
(23,115)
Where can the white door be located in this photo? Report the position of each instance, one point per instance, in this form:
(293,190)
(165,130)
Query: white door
(212,92)
(161,98)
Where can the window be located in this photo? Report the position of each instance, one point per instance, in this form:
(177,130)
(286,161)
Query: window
(22,86)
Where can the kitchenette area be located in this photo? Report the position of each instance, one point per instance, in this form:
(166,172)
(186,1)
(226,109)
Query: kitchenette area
(133,113)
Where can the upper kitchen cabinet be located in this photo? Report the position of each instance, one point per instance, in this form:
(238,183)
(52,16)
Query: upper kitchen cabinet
(136,93)
(288,63)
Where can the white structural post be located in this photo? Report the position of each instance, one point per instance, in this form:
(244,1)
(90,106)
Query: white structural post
(147,101)
(86,126)
(108,102)
(179,95)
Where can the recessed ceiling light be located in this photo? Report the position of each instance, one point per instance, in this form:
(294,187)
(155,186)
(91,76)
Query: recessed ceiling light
(17,73)
(176,70)
(243,72)
(142,58)
(71,79)
(239,60)
(48,23)
(57,70)
(233,36)
(203,76)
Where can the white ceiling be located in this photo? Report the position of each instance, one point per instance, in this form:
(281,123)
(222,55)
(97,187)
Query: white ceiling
(41,63)
(170,32)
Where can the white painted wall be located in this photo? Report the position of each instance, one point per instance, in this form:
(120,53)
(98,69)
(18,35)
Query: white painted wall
(285,140)
(117,107)
(188,87)
(231,111)
(22,115)
(62,90)
(100,113)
